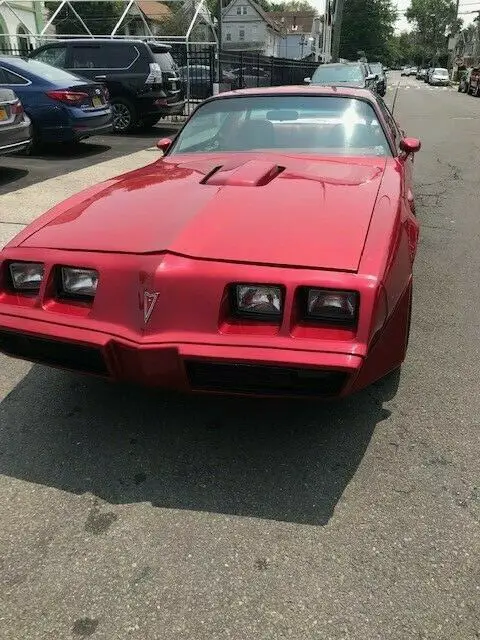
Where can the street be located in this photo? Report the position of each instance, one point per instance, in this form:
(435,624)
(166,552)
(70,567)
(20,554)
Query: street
(132,513)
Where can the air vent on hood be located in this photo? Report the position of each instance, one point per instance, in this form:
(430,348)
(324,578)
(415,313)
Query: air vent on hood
(255,173)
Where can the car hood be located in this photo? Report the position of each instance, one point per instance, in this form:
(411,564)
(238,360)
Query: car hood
(254,208)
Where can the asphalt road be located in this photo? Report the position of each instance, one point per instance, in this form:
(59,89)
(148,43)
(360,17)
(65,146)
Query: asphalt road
(138,514)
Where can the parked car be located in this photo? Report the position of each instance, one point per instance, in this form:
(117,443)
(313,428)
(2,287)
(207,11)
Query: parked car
(141,77)
(61,106)
(249,76)
(474,82)
(378,70)
(439,78)
(351,74)
(304,263)
(15,126)
(200,78)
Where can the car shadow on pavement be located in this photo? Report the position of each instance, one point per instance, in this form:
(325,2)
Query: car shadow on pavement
(68,151)
(9,175)
(273,459)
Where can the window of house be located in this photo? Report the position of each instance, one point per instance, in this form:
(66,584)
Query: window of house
(228,36)
(254,31)
(241,34)
(241,11)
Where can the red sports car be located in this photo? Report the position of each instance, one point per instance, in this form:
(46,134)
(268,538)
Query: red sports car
(268,252)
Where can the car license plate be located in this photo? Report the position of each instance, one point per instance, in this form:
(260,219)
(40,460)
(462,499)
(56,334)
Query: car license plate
(3,114)
(97,102)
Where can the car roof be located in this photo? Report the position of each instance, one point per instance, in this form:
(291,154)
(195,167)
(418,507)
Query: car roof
(156,47)
(95,40)
(302,90)
(340,64)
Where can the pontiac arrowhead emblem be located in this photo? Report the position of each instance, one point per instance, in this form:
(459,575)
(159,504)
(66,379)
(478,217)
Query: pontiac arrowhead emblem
(149,300)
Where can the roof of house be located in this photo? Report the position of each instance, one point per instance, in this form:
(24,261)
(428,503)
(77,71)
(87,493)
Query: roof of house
(154,10)
(263,14)
(294,21)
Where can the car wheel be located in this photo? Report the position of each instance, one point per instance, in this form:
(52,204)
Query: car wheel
(124,115)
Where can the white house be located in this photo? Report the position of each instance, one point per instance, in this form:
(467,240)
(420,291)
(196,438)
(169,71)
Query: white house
(247,27)
(19,21)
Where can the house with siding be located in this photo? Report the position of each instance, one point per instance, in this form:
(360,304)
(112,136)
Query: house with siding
(297,27)
(247,27)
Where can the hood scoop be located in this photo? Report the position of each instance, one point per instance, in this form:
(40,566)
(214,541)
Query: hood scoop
(255,173)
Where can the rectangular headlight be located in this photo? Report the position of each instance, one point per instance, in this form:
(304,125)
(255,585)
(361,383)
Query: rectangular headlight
(26,276)
(79,282)
(258,300)
(332,306)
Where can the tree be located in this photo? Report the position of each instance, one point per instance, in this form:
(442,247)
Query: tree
(100,17)
(404,49)
(432,19)
(367,26)
(291,6)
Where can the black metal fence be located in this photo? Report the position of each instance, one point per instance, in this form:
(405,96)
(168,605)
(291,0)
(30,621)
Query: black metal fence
(200,68)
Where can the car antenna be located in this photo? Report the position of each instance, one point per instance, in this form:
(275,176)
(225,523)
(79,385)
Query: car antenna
(395,97)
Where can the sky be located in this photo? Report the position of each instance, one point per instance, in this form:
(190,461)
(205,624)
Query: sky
(402,5)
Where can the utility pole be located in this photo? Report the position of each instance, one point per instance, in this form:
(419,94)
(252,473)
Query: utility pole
(452,39)
(337,29)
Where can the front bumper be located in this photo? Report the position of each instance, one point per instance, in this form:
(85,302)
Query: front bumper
(214,368)
(192,343)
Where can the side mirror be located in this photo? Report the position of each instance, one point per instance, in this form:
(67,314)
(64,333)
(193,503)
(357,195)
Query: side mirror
(410,145)
(307,80)
(164,144)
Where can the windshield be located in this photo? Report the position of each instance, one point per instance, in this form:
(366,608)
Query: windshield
(309,124)
(376,67)
(340,73)
(441,72)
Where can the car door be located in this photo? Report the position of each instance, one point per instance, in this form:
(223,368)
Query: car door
(113,64)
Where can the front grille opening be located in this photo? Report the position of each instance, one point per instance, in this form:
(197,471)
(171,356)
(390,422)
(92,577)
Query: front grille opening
(56,353)
(263,379)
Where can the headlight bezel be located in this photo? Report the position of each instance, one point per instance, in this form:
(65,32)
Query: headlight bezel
(329,319)
(24,290)
(238,313)
(65,293)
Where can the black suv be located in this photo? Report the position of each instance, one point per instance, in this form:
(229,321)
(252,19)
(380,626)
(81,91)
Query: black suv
(141,76)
